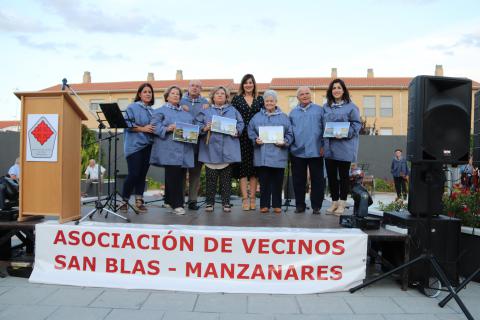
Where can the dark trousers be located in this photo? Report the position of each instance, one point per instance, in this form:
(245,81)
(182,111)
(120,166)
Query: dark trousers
(338,169)
(138,164)
(299,176)
(213,176)
(271,181)
(400,187)
(174,195)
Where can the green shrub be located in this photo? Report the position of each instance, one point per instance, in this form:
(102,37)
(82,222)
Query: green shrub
(89,146)
(153,185)
(382,185)
(393,206)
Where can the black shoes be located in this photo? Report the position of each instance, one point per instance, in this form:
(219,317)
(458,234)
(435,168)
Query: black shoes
(192,205)
(299,210)
(316,211)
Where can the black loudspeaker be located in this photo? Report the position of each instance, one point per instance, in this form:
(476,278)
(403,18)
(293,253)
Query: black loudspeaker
(445,243)
(425,189)
(476,129)
(439,115)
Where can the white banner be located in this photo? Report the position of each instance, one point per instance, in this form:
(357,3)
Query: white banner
(199,258)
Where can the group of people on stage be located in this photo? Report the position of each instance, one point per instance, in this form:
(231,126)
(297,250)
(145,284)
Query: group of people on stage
(242,154)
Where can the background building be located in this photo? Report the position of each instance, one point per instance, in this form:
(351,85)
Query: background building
(383,101)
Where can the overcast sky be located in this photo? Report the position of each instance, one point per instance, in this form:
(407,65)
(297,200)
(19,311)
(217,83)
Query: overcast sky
(122,40)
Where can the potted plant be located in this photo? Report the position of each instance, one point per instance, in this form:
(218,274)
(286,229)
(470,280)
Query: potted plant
(464,204)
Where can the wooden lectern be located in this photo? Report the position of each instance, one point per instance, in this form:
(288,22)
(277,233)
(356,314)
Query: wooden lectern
(50,188)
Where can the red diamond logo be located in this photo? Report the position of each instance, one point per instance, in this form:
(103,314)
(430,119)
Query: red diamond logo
(42,132)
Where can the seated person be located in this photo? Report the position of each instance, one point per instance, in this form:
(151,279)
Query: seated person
(8,193)
(14,171)
(91,174)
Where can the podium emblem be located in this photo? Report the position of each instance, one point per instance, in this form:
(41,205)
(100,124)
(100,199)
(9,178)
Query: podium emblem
(42,137)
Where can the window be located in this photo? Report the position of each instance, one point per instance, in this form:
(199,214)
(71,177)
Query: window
(369,106)
(292,102)
(123,103)
(385,131)
(94,104)
(386,106)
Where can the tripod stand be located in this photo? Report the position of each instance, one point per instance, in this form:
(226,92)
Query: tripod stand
(427,257)
(99,207)
(116,120)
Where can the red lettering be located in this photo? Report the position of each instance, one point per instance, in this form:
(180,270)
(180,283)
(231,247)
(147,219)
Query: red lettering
(128,242)
(337,273)
(248,245)
(338,247)
(275,248)
(226,245)
(211,271)
(137,267)
(60,237)
(291,243)
(277,272)
(304,246)
(322,247)
(111,265)
(153,268)
(102,244)
(210,244)
(307,273)
(258,272)
(60,262)
(243,269)
(263,246)
(139,242)
(74,240)
(227,269)
(196,269)
(91,238)
(291,273)
(321,270)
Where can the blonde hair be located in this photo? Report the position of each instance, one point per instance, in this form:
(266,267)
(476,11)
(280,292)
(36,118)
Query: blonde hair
(214,90)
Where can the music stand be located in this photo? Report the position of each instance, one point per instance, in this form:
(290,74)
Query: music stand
(115,118)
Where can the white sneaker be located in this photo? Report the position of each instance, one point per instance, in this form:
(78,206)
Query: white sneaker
(179,211)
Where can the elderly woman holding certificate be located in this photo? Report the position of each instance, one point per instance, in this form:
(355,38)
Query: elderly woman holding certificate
(271,132)
(342,126)
(220,125)
(173,146)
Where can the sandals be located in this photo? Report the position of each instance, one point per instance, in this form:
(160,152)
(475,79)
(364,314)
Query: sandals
(140,206)
(253,205)
(245,204)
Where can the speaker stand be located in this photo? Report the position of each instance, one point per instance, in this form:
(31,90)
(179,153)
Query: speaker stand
(427,256)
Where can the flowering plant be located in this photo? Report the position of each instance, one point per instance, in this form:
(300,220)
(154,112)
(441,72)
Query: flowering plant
(463,204)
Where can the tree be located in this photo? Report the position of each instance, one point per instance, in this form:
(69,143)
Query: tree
(89,146)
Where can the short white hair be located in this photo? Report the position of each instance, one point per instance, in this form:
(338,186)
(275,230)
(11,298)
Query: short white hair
(270,93)
(303,88)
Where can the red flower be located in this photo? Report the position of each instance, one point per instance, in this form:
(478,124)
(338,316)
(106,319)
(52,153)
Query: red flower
(465,208)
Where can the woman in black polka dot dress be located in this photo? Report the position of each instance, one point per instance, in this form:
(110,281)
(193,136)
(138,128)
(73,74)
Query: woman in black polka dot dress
(248,104)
